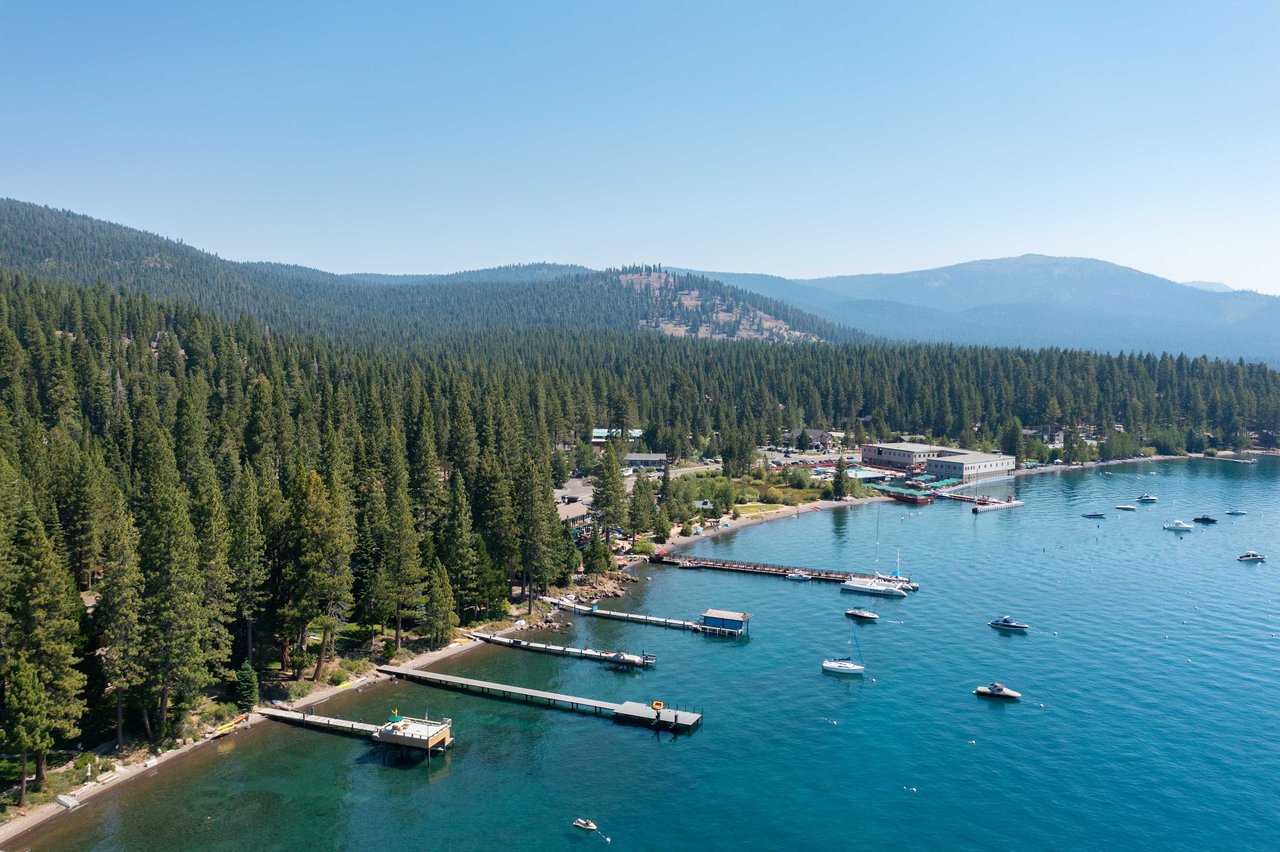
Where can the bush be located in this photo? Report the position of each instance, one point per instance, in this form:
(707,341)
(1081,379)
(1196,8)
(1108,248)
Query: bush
(338,676)
(355,665)
(828,493)
(788,500)
(1210,452)
(643,547)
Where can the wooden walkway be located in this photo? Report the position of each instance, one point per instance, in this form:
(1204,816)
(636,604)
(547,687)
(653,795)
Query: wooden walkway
(311,720)
(615,658)
(629,712)
(757,568)
(582,609)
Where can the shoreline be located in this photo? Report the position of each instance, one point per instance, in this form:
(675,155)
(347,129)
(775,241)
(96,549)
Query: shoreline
(35,816)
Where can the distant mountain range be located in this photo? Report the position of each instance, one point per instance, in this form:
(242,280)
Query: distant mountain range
(1038,301)
(395,309)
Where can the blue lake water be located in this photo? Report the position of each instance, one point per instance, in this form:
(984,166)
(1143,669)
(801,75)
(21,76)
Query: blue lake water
(1150,718)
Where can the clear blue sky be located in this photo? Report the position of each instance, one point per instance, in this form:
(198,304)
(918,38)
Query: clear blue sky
(801,139)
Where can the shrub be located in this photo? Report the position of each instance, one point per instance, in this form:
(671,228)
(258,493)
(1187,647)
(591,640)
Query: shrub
(338,676)
(643,547)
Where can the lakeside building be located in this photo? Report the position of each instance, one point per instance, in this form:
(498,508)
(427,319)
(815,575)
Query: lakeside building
(653,461)
(601,436)
(941,462)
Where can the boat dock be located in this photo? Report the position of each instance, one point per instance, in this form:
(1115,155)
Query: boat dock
(311,720)
(616,658)
(757,568)
(657,620)
(627,712)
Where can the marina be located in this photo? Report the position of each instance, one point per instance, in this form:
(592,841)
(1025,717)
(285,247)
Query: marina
(614,658)
(654,714)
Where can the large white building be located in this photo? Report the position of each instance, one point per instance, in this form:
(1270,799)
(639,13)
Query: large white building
(941,462)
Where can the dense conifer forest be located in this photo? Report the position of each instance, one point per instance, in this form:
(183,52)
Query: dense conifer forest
(183,491)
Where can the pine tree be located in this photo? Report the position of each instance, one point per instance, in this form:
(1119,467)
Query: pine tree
(438,616)
(406,575)
(840,484)
(609,494)
(641,514)
(246,686)
(495,517)
(27,728)
(596,558)
(247,553)
(319,563)
(119,611)
(539,527)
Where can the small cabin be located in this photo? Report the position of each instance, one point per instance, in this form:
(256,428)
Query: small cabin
(725,622)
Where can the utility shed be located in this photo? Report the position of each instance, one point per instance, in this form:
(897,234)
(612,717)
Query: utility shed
(725,621)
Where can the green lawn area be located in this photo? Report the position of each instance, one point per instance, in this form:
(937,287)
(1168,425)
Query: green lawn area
(749,509)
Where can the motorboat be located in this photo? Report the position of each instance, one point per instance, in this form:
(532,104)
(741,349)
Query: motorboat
(1205,519)
(585,824)
(1005,622)
(1127,508)
(842,666)
(1095,514)
(1178,526)
(1251,556)
(1144,497)
(1236,512)
(872,586)
(860,614)
(799,575)
(997,690)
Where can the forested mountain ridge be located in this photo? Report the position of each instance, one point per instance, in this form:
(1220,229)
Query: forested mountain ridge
(1036,301)
(377,310)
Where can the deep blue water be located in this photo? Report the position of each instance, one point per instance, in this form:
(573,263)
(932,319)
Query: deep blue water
(1150,719)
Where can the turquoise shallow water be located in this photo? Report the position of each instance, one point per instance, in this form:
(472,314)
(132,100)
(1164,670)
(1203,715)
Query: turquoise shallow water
(1151,714)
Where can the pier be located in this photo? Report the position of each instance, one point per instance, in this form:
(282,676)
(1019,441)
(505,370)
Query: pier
(657,620)
(627,712)
(327,723)
(758,568)
(614,658)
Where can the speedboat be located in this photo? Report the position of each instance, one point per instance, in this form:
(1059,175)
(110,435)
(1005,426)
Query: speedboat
(1007,623)
(1205,519)
(1095,514)
(1251,556)
(584,824)
(860,614)
(1236,512)
(1127,508)
(870,586)
(1178,526)
(842,666)
(799,575)
(1144,497)
(997,690)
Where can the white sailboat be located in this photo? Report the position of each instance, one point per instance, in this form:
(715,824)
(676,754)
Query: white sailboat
(846,665)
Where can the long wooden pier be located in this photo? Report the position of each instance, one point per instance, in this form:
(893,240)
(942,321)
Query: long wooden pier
(311,720)
(639,618)
(613,658)
(757,568)
(627,712)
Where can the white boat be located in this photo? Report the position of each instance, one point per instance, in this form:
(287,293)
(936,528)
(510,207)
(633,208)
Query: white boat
(66,801)
(1236,512)
(1007,623)
(1251,556)
(997,690)
(860,614)
(415,733)
(585,824)
(799,575)
(1179,526)
(842,666)
(1127,508)
(895,578)
(871,586)
(1144,497)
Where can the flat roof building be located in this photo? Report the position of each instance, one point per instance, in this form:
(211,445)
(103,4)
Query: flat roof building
(941,462)
(657,461)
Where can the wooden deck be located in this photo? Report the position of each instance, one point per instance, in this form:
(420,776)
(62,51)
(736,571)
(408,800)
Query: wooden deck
(311,720)
(639,618)
(630,712)
(614,658)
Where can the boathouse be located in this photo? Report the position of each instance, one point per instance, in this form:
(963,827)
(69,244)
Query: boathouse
(725,622)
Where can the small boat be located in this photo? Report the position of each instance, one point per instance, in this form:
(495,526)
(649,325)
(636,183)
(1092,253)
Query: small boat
(585,824)
(868,586)
(860,614)
(799,575)
(1144,497)
(1178,526)
(1236,512)
(66,801)
(842,666)
(1007,623)
(997,690)
(1205,519)
(1251,556)
(1127,508)
(1095,514)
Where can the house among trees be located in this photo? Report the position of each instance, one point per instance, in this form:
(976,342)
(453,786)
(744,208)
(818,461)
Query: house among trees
(599,437)
(653,461)
(809,439)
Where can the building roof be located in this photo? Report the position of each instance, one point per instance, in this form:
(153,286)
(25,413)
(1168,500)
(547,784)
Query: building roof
(646,457)
(913,447)
(968,457)
(727,615)
(602,434)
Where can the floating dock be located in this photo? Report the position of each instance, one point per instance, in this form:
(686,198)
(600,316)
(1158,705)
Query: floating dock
(758,568)
(627,713)
(979,508)
(659,621)
(311,720)
(613,658)
(428,736)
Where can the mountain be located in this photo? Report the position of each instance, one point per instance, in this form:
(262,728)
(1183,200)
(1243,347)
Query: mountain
(1036,301)
(397,309)
(1211,286)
